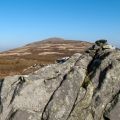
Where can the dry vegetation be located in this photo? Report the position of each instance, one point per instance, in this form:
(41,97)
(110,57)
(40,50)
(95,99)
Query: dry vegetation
(41,53)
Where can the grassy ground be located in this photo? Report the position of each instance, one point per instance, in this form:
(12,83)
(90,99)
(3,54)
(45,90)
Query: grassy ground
(15,61)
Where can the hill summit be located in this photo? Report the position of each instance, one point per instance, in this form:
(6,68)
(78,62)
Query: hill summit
(39,53)
(85,86)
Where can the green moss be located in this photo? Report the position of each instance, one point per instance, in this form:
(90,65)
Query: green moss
(86,82)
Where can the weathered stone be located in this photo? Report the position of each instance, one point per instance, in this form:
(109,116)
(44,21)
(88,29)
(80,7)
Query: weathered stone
(85,87)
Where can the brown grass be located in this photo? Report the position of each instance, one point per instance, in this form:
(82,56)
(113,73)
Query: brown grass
(15,64)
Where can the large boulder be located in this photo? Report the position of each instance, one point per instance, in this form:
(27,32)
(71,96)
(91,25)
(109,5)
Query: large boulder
(84,87)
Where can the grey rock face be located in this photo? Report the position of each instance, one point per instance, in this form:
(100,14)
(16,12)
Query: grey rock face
(85,87)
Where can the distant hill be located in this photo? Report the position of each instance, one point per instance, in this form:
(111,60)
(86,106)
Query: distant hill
(39,53)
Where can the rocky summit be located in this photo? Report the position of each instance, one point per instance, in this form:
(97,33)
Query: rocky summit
(84,87)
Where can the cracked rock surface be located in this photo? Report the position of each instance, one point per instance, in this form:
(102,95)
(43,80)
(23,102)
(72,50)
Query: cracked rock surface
(85,87)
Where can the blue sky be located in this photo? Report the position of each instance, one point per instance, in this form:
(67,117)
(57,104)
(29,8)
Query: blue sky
(25,21)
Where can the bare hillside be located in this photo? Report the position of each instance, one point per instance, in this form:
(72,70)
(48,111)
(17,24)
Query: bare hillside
(38,54)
